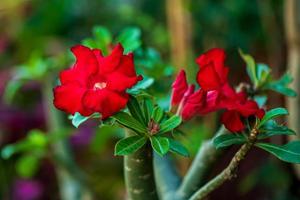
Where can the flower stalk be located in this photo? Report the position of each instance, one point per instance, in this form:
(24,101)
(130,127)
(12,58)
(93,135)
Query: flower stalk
(139,174)
(229,172)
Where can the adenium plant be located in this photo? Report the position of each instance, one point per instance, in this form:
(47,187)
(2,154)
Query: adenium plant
(107,87)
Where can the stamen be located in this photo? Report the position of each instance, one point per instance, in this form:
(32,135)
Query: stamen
(100,85)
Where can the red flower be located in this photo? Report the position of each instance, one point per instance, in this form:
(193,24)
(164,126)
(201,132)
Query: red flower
(193,105)
(213,73)
(184,97)
(239,107)
(96,83)
(179,87)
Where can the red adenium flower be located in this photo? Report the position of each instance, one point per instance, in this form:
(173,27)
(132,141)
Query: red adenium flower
(239,107)
(184,96)
(215,93)
(213,73)
(96,83)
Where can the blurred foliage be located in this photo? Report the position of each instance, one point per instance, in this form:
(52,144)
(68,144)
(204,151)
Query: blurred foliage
(34,39)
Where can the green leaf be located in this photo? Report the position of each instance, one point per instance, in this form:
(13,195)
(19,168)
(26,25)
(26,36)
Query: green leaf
(177,147)
(169,124)
(272,114)
(260,100)
(130,122)
(78,119)
(27,165)
(228,139)
(141,85)
(157,114)
(129,145)
(160,145)
(130,39)
(274,129)
(101,39)
(251,67)
(281,86)
(263,73)
(289,152)
(148,108)
(135,110)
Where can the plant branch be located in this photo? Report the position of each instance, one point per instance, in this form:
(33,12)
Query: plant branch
(229,172)
(195,177)
(139,175)
(166,177)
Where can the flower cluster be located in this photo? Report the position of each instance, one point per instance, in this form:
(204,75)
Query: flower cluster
(215,93)
(96,83)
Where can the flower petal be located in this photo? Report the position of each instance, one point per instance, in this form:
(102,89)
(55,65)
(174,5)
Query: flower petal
(110,62)
(232,121)
(179,87)
(193,104)
(126,65)
(216,58)
(68,98)
(105,101)
(208,78)
(86,60)
(119,82)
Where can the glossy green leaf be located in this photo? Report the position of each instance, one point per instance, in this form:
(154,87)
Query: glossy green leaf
(289,152)
(170,124)
(135,110)
(160,145)
(129,145)
(281,86)
(147,108)
(157,114)
(251,66)
(130,122)
(272,114)
(141,85)
(78,119)
(262,73)
(266,132)
(228,139)
(178,148)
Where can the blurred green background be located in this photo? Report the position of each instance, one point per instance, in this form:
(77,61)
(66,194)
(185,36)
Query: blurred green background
(165,35)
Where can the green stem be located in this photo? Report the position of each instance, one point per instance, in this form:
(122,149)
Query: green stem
(66,168)
(139,175)
(166,176)
(204,161)
(229,172)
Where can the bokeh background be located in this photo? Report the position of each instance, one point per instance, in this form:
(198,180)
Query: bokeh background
(166,35)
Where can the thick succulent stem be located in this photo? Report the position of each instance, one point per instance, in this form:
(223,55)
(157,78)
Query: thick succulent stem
(196,176)
(229,172)
(166,176)
(139,174)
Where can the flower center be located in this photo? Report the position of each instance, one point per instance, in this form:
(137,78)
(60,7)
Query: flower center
(100,85)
